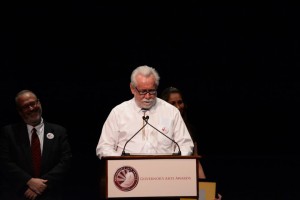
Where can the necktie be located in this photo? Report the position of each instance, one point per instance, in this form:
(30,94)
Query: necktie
(36,153)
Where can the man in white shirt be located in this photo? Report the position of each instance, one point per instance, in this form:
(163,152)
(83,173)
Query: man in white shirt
(127,118)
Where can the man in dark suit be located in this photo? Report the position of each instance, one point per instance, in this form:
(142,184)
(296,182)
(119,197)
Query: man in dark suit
(20,179)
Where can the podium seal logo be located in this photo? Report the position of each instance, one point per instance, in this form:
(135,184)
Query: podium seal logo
(126,178)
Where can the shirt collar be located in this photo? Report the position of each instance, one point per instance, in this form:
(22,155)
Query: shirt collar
(37,127)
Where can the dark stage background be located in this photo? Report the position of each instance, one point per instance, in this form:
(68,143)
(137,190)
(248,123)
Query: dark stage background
(236,64)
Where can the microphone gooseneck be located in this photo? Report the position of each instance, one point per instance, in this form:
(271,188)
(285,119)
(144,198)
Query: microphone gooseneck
(127,154)
(146,120)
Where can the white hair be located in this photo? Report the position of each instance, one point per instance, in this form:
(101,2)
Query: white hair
(145,71)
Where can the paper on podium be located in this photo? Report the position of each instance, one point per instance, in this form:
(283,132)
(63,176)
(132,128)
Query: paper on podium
(207,191)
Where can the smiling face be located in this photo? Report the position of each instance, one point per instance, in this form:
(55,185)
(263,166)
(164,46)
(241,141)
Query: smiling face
(29,108)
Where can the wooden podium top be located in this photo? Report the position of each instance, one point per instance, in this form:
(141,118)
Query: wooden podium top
(131,157)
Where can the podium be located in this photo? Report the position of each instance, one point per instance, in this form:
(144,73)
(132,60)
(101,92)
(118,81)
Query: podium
(151,176)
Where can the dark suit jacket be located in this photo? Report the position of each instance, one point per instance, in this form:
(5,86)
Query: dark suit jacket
(16,163)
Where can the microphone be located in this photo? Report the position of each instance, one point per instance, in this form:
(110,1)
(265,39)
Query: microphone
(128,154)
(146,120)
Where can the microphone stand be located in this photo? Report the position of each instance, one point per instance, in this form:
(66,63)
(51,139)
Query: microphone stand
(146,120)
(128,154)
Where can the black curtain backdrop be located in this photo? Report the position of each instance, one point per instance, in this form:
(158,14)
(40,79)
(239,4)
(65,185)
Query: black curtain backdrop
(237,66)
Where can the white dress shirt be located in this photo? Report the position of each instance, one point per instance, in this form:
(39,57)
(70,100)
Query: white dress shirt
(126,119)
(39,131)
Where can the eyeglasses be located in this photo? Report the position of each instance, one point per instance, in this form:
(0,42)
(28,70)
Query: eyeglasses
(31,104)
(144,92)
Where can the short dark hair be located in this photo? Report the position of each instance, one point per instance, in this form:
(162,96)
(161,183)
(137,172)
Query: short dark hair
(165,95)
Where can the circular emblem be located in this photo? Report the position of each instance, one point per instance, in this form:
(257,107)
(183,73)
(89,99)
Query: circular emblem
(50,136)
(126,178)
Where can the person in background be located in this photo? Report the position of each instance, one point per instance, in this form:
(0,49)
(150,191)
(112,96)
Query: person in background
(126,119)
(174,96)
(22,179)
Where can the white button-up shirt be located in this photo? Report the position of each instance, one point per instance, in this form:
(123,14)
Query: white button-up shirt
(126,119)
